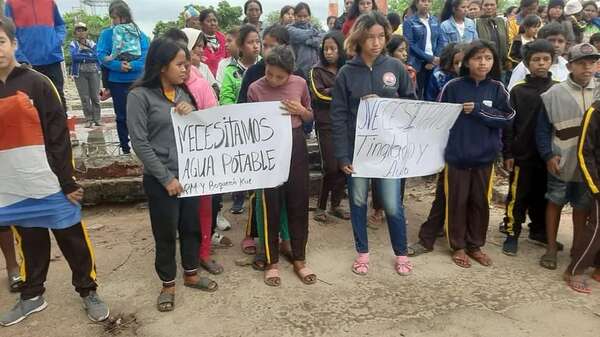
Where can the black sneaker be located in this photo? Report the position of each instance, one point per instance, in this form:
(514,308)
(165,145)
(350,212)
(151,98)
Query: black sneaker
(542,240)
(510,246)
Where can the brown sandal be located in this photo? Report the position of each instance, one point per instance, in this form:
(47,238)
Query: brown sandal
(461,259)
(480,257)
(306,275)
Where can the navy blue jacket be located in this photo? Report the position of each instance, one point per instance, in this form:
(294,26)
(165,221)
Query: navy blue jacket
(475,137)
(356,80)
(415,32)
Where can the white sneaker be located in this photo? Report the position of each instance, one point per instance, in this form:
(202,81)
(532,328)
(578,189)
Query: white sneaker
(222,223)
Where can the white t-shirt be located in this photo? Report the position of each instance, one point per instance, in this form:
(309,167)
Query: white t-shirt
(207,74)
(559,72)
(461,29)
(428,45)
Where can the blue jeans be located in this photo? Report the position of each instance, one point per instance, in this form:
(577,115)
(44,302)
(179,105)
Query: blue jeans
(390,193)
(119,92)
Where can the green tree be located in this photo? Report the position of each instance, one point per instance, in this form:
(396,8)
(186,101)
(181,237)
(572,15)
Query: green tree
(94,23)
(271,18)
(162,26)
(227,15)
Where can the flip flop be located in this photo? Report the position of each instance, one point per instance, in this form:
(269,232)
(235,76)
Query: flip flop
(204,284)
(306,275)
(461,260)
(578,283)
(211,266)
(249,246)
(548,261)
(417,249)
(481,257)
(340,213)
(272,277)
(165,302)
(321,216)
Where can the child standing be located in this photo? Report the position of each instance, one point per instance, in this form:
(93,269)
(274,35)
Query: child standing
(232,49)
(557,133)
(398,49)
(321,82)
(473,145)
(369,73)
(279,84)
(248,43)
(527,169)
(527,33)
(450,61)
(586,247)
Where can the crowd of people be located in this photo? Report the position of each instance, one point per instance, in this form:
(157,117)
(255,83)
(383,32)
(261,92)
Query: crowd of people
(525,80)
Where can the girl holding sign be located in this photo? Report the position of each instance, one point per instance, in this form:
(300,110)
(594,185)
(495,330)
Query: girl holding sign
(369,73)
(279,84)
(473,145)
(149,106)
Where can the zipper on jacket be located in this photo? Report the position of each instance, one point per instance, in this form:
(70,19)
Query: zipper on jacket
(371,76)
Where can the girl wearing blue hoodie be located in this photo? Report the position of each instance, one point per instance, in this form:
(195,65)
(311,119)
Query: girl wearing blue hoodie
(369,73)
(473,145)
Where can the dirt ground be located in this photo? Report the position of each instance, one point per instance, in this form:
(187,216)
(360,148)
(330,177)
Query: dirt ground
(513,298)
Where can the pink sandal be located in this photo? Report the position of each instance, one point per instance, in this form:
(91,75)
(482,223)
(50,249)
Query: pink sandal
(361,264)
(249,246)
(403,266)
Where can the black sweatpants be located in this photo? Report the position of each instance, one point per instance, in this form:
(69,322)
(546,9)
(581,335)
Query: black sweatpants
(33,245)
(55,74)
(526,195)
(169,215)
(435,221)
(294,193)
(467,194)
(334,180)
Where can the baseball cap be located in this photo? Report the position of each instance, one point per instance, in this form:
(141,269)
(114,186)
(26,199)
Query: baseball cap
(80,25)
(583,51)
(572,7)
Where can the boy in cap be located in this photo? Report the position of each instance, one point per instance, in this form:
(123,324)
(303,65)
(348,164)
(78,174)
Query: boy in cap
(557,133)
(37,189)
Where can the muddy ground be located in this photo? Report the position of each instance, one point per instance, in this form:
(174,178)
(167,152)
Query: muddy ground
(513,298)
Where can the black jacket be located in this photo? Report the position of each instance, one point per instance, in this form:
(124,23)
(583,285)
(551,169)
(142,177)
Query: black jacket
(518,138)
(356,80)
(588,151)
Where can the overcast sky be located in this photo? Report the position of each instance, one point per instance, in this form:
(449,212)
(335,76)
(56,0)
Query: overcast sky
(147,13)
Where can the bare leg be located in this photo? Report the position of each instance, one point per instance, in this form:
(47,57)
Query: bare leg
(552,220)
(7,244)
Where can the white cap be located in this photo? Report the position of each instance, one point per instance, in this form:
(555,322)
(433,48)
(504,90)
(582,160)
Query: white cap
(573,7)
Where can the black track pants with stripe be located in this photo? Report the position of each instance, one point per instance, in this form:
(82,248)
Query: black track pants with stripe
(33,244)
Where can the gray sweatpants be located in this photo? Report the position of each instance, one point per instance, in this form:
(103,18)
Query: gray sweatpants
(88,86)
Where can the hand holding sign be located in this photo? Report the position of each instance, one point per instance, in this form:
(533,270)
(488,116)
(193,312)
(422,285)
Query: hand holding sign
(397,138)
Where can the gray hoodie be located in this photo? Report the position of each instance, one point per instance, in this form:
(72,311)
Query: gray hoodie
(151,130)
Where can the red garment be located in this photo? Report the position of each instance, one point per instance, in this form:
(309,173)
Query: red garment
(213,57)
(347,26)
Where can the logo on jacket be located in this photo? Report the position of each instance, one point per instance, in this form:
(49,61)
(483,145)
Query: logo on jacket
(389,79)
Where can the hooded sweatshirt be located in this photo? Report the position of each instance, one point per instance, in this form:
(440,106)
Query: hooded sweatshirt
(386,78)
(518,138)
(321,82)
(475,137)
(192,35)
